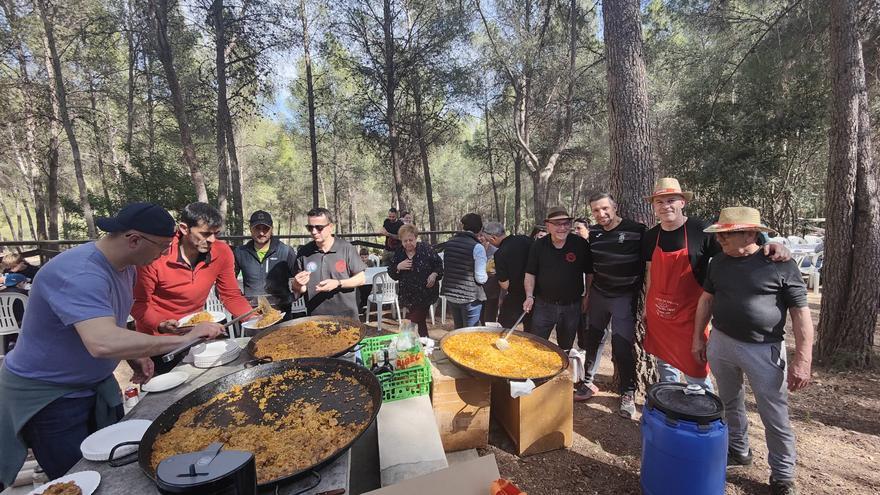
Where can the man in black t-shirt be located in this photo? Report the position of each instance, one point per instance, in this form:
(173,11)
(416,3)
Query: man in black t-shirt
(747,296)
(554,281)
(390,227)
(510,269)
(615,247)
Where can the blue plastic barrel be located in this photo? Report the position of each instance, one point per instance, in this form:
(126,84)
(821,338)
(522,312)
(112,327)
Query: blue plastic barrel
(684,441)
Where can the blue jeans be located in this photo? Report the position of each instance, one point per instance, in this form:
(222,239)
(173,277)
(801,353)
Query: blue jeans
(671,374)
(55,433)
(467,314)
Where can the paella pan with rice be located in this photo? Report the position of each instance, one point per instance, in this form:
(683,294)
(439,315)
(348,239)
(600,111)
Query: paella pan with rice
(312,336)
(529,356)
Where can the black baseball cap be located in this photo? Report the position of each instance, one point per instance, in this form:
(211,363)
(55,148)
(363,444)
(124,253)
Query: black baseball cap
(261,217)
(148,218)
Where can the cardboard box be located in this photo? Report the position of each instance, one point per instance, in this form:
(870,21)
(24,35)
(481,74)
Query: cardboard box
(466,478)
(461,405)
(539,422)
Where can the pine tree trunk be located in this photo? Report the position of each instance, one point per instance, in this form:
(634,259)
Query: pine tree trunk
(235,180)
(58,76)
(159,17)
(310,98)
(517,190)
(489,160)
(219,24)
(391,80)
(632,160)
(851,272)
(423,156)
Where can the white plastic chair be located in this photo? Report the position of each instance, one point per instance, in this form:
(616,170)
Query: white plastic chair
(442,301)
(375,259)
(8,324)
(812,239)
(795,240)
(779,240)
(810,273)
(384,292)
(213,303)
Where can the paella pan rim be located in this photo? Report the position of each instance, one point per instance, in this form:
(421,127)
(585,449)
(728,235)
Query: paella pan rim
(534,338)
(166,420)
(251,346)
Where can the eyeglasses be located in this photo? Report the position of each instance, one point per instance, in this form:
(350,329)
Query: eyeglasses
(165,249)
(319,228)
(561,223)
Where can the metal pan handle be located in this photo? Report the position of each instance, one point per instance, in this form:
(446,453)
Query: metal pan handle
(124,460)
(258,361)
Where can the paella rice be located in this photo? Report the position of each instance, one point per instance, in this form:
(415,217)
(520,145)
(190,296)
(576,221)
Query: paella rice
(200,317)
(268,315)
(65,488)
(283,440)
(524,359)
(307,339)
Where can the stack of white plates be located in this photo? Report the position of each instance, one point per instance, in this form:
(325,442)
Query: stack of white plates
(215,353)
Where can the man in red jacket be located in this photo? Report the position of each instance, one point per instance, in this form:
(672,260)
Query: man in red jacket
(178,283)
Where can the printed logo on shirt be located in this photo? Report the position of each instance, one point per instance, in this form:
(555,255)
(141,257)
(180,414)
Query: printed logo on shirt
(621,237)
(570,257)
(311,266)
(341,266)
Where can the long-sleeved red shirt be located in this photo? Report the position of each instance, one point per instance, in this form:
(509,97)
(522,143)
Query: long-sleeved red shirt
(167,289)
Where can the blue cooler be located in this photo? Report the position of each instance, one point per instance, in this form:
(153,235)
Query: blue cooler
(684,441)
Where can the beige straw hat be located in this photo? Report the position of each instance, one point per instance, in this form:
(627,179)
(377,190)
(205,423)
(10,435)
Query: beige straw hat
(738,219)
(667,186)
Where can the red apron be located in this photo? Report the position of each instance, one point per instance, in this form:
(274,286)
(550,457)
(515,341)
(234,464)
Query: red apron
(671,308)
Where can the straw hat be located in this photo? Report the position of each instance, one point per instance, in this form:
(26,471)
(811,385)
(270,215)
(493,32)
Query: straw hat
(557,213)
(738,219)
(667,186)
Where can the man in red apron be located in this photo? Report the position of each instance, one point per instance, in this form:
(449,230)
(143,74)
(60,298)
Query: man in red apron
(677,252)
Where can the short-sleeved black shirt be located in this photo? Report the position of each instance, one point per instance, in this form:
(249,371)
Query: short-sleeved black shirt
(559,273)
(752,294)
(618,268)
(392,228)
(701,246)
(342,261)
(510,263)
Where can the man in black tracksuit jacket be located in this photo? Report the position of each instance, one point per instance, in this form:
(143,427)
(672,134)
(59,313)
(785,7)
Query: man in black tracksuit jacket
(266,264)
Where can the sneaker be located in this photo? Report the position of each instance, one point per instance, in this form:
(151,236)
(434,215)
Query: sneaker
(627,406)
(778,487)
(584,391)
(735,459)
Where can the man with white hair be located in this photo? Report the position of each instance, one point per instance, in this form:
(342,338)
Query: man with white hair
(510,269)
(747,295)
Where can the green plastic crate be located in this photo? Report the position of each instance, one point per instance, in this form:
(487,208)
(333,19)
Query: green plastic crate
(402,384)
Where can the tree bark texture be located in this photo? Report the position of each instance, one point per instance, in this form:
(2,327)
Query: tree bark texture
(159,17)
(391,82)
(310,99)
(423,155)
(48,18)
(851,272)
(632,160)
(489,161)
(219,24)
(237,221)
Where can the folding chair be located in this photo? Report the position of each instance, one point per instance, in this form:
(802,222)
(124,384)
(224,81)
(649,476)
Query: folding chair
(384,292)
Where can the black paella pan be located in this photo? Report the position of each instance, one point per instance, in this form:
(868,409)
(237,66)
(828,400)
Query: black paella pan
(499,331)
(355,403)
(333,324)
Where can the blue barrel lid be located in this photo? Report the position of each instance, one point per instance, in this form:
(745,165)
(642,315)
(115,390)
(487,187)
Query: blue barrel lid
(682,402)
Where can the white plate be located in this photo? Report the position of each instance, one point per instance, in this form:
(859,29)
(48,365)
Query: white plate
(165,382)
(96,447)
(252,323)
(215,348)
(216,317)
(87,481)
(211,363)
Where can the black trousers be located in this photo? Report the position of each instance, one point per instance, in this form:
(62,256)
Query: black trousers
(620,312)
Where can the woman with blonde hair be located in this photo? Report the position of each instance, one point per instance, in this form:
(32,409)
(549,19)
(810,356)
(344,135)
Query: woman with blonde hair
(417,268)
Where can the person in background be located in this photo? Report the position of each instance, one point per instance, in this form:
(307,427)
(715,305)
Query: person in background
(57,384)
(510,269)
(613,291)
(491,288)
(328,269)
(14,283)
(554,281)
(390,227)
(266,264)
(15,263)
(406,217)
(582,227)
(178,283)
(538,231)
(677,253)
(747,296)
(464,260)
(365,257)
(418,268)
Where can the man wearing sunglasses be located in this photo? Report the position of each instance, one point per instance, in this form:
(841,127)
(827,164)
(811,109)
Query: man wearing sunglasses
(179,282)
(328,269)
(554,280)
(57,384)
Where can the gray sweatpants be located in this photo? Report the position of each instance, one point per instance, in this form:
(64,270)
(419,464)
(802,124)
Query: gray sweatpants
(764,365)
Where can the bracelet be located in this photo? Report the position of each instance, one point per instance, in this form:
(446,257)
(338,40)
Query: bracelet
(340,284)
(530,297)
